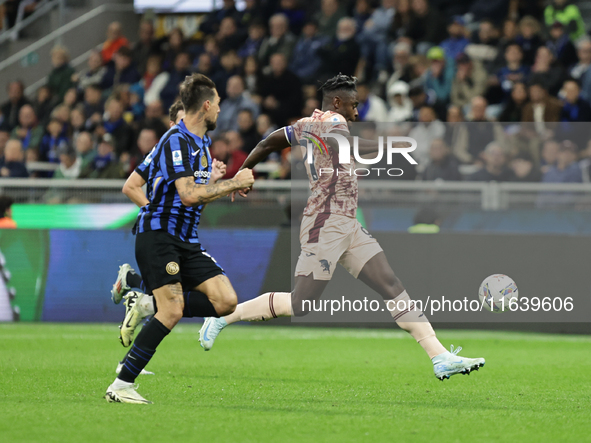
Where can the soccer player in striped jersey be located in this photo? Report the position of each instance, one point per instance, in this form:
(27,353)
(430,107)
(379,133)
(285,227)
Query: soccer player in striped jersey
(168,251)
(331,234)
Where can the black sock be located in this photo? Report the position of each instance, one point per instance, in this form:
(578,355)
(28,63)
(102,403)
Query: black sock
(123,359)
(143,350)
(134,280)
(198,305)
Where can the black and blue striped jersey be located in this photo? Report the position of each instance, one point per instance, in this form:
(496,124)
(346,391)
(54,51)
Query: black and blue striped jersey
(179,153)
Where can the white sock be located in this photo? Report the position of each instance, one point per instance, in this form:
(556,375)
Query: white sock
(146,306)
(416,324)
(120,384)
(264,307)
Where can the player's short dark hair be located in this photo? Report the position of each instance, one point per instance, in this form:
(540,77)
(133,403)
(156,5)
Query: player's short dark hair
(195,90)
(174,110)
(338,83)
(5,203)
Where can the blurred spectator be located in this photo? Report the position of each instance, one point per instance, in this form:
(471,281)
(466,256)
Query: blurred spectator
(371,108)
(484,45)
(60,78)
(442,164)
(541,107)
(170,89)
(561,46)
(524,169)
(418,97)
(114,41)
(173,47)
(566,169)
(155,118)
(251,74)
(428,129)
(440,74)
(6,221)
(281,91)
(256,34)
(136,101)
(400,64)
(145,46)
(306,60)
(227,149)
(402,19)
(469,82)
(153,68)
(264,126)
(229,37)
(93,103)
(213,19)
(251,11)
(70,165)
(546,70)
(513,71)
(567,14)
(362,12)
(51,142)
(294,13)
(456,43)
(400,104)
(247,130)
(122,70)
(341,54)
(513,110)
(456,134)
(4,137)
(426,27)
(549,155)
(581,71)
(237,100)
(16,100)
(280,40)
(585,163)
(481,130)
(310,105)
(14,161)
(495,166)
(43,104)
(147,139)
(372,38)
(105,164)
(85,149)
(575,109)
(229,66)
(28,131)
(94,72)
(529,39)
(121,132)
(70,98)
(331,11)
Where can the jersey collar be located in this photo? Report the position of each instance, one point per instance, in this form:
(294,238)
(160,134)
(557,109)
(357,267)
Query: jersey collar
(198,140)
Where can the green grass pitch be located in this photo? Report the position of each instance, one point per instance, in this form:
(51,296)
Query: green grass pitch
(283,384)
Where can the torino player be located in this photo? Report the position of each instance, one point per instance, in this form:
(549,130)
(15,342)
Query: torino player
(330,233)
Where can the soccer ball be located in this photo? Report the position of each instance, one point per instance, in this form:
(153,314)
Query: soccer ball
(497,292)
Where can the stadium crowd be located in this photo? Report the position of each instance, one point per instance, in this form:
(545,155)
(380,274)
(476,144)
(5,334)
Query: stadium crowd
(491,89)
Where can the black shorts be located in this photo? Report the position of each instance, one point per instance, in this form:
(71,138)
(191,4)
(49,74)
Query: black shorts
(163,259)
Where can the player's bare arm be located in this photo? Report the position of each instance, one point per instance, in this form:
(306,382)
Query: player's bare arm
(193,194)
(133,189)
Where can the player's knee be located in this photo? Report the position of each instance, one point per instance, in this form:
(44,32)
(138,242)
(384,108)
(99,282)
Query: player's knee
(298,307)
(226,303)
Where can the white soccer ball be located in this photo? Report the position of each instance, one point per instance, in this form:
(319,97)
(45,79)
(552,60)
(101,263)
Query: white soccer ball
(497,292)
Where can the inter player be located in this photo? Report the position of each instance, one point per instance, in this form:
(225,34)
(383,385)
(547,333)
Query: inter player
(330,233)
(168,252)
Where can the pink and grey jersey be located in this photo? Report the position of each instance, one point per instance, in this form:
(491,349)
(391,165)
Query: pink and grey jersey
(333,186)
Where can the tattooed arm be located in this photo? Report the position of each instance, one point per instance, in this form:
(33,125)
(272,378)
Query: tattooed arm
(193,194)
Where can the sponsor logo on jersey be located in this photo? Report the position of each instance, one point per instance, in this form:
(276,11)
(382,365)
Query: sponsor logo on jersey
(202,174)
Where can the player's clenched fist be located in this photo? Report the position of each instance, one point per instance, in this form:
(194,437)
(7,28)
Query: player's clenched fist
(244,178)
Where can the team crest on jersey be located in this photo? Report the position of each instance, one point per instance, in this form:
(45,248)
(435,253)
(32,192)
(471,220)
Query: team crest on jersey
(172,268)
(177,158)
(204,161)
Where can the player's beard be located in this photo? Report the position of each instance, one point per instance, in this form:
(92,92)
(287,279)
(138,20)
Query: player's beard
(210,125)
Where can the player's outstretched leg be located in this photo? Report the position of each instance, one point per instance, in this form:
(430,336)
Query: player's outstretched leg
(379,276)
(264,307)
(126,279)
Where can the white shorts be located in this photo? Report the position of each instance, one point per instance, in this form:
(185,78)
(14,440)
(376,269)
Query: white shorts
(328,239)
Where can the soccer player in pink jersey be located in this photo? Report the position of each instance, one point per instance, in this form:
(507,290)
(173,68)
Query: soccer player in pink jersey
(330,234)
